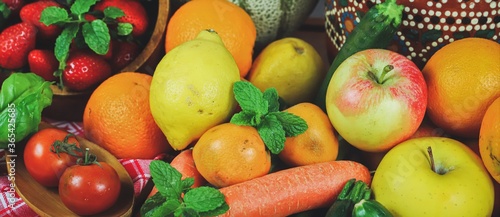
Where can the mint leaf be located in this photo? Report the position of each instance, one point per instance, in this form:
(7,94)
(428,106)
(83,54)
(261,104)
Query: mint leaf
(157,206)
(166,179)
(245,118)
(292,124)
(216,212)
(96,35)
(186,212)
(249,97)
(124,29)
(272,98)
(52,15)
(113,12)
(187,183)
(80,7)
(203,199)
(63,41)
(4,11)
(272,133)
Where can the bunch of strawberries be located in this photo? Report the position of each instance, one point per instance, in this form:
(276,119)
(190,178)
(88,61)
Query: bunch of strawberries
(75,43)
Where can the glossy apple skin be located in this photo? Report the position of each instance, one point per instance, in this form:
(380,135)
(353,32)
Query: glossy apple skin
(405,183)
(375,116)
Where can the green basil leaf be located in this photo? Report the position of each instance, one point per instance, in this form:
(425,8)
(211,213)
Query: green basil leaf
(159,206)
(23,97)
(292,124)
(63,41)
(124,29)
(80,7)
(272,98)
(166,179)
(96,35)
(203,199)
(52,15)
(272,133)
(249,97)
(113,12)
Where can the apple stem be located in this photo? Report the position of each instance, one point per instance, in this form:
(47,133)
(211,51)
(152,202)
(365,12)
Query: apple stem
(431,156)
(386,69)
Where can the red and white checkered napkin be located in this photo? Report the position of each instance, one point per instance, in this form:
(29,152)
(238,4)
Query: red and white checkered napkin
(13,206)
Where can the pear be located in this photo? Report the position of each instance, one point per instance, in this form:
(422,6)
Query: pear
(191,89)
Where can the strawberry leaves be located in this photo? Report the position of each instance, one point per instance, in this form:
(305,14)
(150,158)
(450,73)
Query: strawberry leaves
(261,110)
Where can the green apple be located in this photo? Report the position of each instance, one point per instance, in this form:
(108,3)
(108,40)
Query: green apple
(433,176)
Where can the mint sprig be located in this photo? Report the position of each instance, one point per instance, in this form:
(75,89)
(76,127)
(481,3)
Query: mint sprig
(261,110)
(175,196)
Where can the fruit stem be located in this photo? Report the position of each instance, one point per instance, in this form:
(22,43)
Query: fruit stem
(386,69)
(63,146)
(431,156)
(88,158)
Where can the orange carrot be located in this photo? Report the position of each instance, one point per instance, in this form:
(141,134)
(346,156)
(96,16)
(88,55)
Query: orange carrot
(292,190)
(184,163)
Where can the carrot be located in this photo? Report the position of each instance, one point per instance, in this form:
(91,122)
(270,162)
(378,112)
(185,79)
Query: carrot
(292,190)
(184,163)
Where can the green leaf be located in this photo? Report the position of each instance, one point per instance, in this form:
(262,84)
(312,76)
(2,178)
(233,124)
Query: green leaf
(159,206)
(53,15)
(187,183)
(292,124)
(124,29)
(113,12)
(245,118)
(272,133)
(4,11)
(216,212)
(186,212)
(80,7)
(63,41)
(23,96)
(204,199)
(166,179)
(249,97)
(96,35)
(272,98)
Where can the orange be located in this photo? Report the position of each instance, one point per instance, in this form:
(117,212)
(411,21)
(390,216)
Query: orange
(489,139)
(231,22)
(317,144)
(118,118)
(463,79)
(228,154)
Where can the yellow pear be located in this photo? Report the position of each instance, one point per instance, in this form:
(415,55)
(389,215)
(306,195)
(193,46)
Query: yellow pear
(191,90)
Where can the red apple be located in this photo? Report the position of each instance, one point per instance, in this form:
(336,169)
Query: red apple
(376,99)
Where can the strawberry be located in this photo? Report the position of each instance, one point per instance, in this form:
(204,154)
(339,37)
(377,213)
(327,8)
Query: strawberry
(134,11)
(16,42)
(84,70)
(31,12)
(123,54)
(43,63)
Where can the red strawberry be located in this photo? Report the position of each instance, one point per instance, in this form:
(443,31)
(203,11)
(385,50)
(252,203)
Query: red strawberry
(85,69)
(134,11)
(123,54)
(14,5)
(43,63)
(16,42)
(31,13)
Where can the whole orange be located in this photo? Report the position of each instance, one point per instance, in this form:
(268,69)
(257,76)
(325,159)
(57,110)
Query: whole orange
(228,154)
(489,139)
(118,118)
(231,22)
(463,79)
(317,144)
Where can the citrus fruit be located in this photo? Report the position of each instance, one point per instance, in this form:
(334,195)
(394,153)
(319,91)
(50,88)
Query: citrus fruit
(117,117)
(489,139)
(231,22)
(463,79)
(317,144)
(292,66)
(228,154)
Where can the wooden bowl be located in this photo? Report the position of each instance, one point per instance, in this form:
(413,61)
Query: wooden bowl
(46,202)
(69,106)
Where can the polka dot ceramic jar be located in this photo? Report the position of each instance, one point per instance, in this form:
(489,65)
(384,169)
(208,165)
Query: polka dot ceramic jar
(427,24)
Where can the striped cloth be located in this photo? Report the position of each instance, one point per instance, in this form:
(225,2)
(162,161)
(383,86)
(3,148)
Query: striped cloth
(13,206)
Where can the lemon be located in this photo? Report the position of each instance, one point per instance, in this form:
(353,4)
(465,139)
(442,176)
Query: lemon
(191,89)
(292,66)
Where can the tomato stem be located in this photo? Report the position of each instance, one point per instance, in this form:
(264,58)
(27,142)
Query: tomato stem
(64,146)
(88,158)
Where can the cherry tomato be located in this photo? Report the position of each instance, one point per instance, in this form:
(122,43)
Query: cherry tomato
(42,163)
(89,189)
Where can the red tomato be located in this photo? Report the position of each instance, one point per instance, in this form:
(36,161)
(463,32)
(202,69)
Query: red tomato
(89,189)
(44,165)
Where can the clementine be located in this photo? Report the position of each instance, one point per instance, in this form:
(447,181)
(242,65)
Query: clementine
(118,118)
(489,139)
(463,79)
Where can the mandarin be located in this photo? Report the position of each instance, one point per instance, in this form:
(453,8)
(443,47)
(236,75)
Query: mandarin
(118,118)
(463,79)
(231,22)
(489,139)
(228,154)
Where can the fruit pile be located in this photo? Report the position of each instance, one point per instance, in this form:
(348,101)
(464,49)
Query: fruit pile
(275,133)
(76,44)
